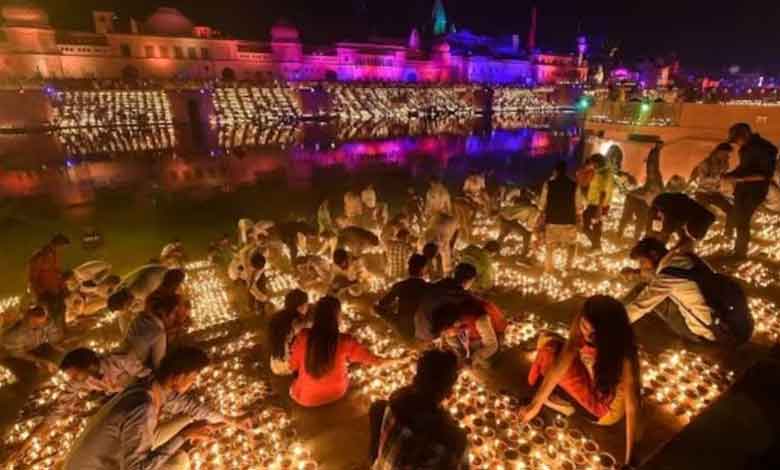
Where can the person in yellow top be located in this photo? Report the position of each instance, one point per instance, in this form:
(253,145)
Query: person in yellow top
(598,198)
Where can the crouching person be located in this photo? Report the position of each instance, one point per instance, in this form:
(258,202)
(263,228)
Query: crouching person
(473,329)
(414,429)
(597,366)
(127,433)
(85,373)
(697,303)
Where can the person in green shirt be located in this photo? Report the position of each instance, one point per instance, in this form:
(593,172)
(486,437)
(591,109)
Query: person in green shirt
(482,258)
(598,199)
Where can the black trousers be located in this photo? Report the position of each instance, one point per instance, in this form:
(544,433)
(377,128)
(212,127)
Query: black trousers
(591,226)
(721,202)
(746,203)
(634,210)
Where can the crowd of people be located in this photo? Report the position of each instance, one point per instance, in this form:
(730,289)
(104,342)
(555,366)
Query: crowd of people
(434,275)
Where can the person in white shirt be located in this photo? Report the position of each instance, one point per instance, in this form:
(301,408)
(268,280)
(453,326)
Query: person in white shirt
(84,372)
(127,432)
(89,286)
(33,330)
(676,300)
(129,297)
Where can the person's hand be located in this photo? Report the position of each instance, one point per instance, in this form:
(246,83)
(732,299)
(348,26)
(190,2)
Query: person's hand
(199,432)
(529,412)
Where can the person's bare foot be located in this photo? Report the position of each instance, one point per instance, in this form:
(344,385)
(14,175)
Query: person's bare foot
(561,405)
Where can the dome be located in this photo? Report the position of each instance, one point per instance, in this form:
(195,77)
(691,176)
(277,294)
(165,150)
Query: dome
(168,22)
(284,31)
(24,14)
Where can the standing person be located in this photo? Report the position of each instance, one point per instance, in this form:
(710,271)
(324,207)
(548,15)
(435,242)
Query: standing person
(708,178)
(32,331)
(637,202)
(85,372)
(561,204)
(678,213)
(46,280)
(413,429)
(757,159)
(406,296)
(284,327)
(433,266)
(320,356)
(598,366)
(127,432)
(598,198)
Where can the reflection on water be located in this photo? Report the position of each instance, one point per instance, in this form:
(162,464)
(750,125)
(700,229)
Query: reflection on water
(72,165)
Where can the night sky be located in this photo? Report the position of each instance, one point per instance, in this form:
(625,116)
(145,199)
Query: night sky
(702,33)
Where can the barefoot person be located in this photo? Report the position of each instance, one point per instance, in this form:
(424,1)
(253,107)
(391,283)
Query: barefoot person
(597,366)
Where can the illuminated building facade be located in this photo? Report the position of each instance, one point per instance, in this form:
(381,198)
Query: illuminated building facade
(168,45)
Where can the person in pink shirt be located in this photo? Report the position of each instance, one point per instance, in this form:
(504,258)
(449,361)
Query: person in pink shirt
(321,356)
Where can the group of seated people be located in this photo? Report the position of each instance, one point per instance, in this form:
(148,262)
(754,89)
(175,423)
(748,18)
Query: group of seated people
(438,304)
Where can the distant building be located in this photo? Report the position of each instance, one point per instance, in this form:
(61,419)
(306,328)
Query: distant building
(169,45)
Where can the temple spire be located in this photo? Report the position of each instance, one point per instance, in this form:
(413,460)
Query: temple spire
(439,18)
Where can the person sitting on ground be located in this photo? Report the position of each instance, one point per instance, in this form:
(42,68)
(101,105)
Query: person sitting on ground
(413,429)
(128,433)
(678,213)
(597,366)
(85,373)
(473,329)
(707,177)
(320,356)
(696,303)
(35,329)
(598,198)
(129,297)
(284,327)
(148,335)
(87,275)
(452,290)
(404,298)
(397,253)
(561,206)
(483,259)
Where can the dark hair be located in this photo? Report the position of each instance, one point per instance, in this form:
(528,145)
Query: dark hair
(173,279)
(443,317)
(650,248)
(323,337)
(340,257)
(417,264)
(257,261)
(36,311)
(492,246)
(60,239)
(437,372)
(81,358)
(295,298)
(560,168)
(724,147)
(402,234)
(184,360)
(162,305)
(464,272)
(740,130)
(113,280)
(430,250)
(119,300)
(614,340)
(280,325)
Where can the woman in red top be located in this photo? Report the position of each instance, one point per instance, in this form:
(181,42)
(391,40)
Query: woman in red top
(321,355)
(597,366)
